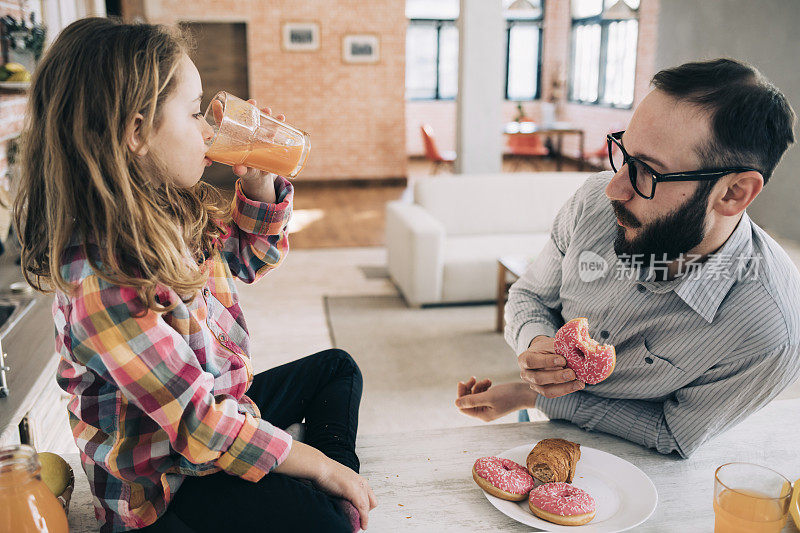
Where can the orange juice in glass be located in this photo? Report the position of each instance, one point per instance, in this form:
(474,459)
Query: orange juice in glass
(750,498)
(244,135)
(26,504)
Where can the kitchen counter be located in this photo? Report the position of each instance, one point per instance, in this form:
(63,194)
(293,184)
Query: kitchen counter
(30,347)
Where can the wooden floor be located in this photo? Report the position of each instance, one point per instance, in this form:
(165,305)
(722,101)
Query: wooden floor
(327,216)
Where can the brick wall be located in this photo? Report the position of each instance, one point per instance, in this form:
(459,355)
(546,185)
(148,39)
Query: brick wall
(12,103)
(594,120)
(355,113)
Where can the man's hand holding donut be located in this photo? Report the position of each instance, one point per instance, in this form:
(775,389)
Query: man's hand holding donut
(545,371)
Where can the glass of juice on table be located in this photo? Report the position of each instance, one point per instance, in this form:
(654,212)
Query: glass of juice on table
(750,498)
(244,135)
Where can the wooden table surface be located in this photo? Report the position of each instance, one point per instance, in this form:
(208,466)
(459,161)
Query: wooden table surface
(423,479)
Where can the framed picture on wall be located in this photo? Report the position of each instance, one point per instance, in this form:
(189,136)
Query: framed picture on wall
(300,36)
(361,48)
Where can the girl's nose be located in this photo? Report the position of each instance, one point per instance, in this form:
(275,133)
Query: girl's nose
(208,131)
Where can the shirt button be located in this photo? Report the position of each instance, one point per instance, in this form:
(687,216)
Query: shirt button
(223,337)
(604,334)
(207,292)
(648,360)
(640,288)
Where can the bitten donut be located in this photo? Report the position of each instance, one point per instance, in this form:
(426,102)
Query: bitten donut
(561,503)
(591,361)
(502,478)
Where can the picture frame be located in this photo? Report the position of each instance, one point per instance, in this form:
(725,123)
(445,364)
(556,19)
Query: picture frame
(363,48)
(300,36)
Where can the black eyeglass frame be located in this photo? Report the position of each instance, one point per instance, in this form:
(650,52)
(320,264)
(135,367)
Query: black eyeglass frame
(692,175)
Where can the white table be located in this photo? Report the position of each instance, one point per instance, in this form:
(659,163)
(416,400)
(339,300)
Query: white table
(423,479)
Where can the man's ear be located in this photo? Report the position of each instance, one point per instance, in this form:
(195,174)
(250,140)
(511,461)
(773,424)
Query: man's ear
(133,136)
(740,191)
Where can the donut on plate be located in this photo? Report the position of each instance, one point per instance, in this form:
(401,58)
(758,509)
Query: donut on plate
(502,478)
(563,504)
(592,362)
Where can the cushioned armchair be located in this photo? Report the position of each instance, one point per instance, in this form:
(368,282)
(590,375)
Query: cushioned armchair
(443,247)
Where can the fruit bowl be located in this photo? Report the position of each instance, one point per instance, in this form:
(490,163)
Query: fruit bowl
(66,494)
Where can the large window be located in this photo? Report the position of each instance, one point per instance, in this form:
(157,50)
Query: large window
(523,49)
(604,37)
(431,59)
(432,49)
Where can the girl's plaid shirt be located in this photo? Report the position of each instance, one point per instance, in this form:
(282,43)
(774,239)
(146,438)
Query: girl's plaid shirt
(159,396)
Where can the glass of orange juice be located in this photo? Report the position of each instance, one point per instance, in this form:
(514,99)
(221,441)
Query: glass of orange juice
(749,498)
(244,135)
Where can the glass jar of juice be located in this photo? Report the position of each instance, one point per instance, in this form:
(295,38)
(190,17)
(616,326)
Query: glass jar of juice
(26,504)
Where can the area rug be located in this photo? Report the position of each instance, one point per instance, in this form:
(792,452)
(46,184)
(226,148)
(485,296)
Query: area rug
(411,359)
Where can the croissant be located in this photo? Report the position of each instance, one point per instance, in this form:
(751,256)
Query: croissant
(554,460)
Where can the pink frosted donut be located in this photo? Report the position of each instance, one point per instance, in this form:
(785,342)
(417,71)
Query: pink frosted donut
(591,361)
(502,478)
(561,503)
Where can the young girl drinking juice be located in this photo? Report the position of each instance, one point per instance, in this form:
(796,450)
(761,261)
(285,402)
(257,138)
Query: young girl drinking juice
(154,347)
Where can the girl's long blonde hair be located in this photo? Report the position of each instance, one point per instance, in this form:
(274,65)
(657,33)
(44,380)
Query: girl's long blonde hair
(80,180)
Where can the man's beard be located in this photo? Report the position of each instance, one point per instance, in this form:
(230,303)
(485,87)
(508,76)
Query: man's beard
(666,238)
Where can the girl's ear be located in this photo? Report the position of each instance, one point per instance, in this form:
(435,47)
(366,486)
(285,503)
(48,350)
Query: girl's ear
(133,137)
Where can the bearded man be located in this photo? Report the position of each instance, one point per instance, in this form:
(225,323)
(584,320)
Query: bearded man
(702,305)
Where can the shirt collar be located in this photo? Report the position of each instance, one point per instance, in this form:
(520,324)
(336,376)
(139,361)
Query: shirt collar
(704,289)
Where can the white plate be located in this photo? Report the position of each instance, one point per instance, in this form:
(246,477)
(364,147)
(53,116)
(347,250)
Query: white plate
(624,495)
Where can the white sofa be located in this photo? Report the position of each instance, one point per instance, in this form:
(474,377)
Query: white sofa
(443,247)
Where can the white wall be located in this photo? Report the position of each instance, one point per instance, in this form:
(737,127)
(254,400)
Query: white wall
(764,33)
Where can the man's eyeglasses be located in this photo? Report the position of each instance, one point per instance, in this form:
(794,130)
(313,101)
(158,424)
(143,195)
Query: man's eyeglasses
(644,178)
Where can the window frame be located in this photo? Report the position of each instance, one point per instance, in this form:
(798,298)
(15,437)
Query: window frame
(539,23)
(438,23)
(601,77)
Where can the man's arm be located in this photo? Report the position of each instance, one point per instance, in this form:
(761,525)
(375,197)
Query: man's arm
(534,306)
(716,401)
(534,303)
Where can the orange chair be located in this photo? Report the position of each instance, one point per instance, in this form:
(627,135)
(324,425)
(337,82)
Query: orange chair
(599,157)
(525,147)
(432,153)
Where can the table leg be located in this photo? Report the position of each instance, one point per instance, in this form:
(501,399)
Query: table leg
(501,296)
(560,156)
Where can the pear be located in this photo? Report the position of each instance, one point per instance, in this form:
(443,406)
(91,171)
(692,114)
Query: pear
(55,472)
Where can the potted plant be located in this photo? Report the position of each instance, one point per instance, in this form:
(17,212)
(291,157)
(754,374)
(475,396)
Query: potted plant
(22,44)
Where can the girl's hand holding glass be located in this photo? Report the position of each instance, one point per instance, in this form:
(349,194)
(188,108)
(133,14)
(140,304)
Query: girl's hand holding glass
(256,184)
(243,134)
(245,172)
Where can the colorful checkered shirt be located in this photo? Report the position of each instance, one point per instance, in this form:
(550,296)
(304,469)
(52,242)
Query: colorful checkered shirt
(160,396)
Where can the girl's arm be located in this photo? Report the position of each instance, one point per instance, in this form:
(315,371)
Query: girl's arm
(260,188)
(334,478)
(129,345)
(257,241)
